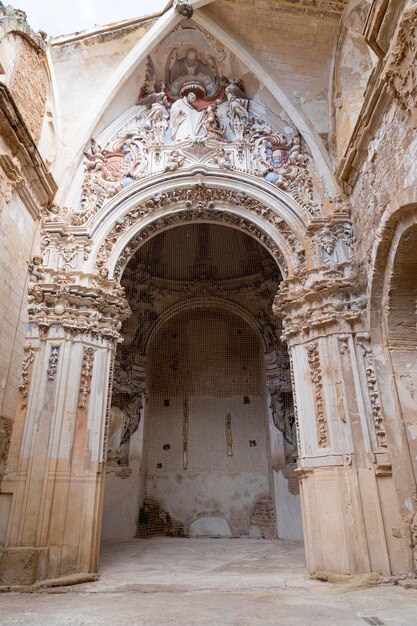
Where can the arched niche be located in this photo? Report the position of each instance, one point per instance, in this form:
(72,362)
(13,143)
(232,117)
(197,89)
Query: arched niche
(392,321)
(196,291)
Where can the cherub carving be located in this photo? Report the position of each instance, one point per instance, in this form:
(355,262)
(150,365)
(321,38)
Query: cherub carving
(211,125)
(174,161)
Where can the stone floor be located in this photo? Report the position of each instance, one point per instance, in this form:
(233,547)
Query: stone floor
(202,582)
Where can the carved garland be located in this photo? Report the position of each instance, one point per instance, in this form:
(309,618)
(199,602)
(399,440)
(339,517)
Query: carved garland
(294,399)
(53,362)
(317,380)
(86,375)
(25,375)
(373,392)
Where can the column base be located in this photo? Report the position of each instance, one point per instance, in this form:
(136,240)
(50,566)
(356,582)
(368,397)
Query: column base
(22,566)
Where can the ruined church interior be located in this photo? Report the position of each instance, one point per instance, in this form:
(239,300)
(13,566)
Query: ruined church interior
(208,328)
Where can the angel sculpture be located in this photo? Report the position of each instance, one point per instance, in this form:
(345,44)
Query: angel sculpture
(152,96)
(153,91)
(94,158)
(211,125)
(238,101)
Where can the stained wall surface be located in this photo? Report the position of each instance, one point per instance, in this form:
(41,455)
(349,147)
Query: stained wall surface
(207,364)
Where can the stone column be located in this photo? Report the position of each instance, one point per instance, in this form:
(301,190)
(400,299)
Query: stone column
(55,519)
(350,510)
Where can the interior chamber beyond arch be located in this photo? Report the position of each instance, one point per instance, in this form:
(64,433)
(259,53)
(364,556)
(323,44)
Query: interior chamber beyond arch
(202,434)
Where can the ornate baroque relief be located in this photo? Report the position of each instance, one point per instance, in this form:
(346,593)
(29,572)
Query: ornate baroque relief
(371,381)
(313,357)
(195,115)
(200,202)
(86,375)
(400,70)
(25,375)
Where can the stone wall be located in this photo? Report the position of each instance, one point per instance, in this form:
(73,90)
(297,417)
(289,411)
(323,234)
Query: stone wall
(17,235)
(206,367)
(28,85)
(389,168)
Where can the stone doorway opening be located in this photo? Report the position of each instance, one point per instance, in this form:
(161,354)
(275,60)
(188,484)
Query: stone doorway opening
(202,437)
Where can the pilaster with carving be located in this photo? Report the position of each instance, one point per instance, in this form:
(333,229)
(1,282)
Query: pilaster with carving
(341,429)
(73,333)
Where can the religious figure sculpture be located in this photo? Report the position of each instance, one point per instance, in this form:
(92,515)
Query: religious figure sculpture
(157,121)
(223,159)
(185,119)
(238,102)
(189,73)
(211,125)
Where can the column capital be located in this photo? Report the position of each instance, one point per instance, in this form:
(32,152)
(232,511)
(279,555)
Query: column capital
(95,309)
(324,300)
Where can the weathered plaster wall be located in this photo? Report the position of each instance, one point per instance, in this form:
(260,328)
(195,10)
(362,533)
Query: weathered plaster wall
(123,494)
(213,361)
(17,236)
(81,69)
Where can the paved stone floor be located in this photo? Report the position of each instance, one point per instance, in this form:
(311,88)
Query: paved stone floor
(202,582)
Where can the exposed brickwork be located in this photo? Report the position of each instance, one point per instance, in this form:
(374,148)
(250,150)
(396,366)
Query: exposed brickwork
(296,48)
(6,427)
(29,86)
(263,517)
(389,169)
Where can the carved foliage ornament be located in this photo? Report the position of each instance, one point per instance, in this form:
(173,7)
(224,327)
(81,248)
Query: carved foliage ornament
(194,107)
(371,381)
(53,362)
(200,200)
(86,376)
(25,375)
(313,357)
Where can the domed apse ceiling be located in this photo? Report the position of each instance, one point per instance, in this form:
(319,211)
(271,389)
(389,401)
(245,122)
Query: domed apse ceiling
(202,251)
(191,264)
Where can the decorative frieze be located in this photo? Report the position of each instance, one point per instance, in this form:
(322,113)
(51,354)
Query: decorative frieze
(330,296)
(313,357)
(86,376)
(200,202)
(294,399)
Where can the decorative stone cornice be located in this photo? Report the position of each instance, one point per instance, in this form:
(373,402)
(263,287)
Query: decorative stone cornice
(200,202)
(327,299)
(22,164)
(96,311)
